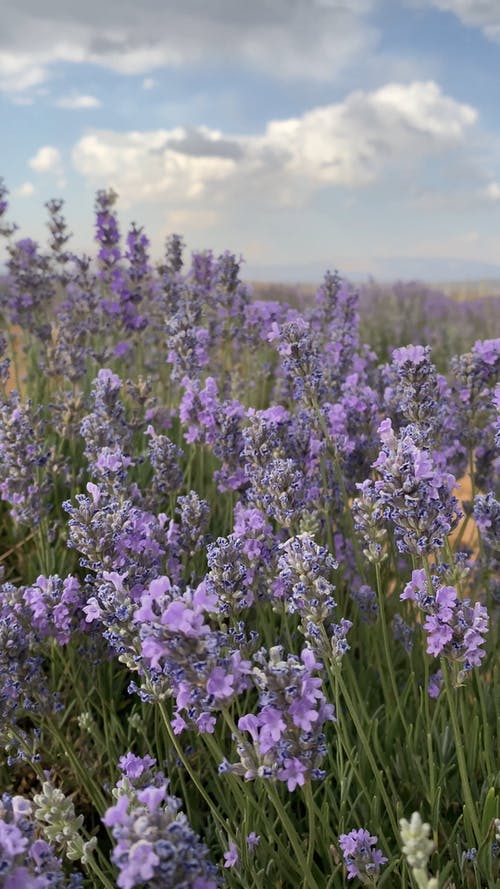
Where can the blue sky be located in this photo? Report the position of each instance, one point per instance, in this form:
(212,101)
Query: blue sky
(302,134)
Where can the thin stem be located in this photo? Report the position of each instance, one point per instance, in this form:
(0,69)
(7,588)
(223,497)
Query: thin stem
(428,734)
(99,873)
(385,641)
(272,793)
(17,546)
(309,881)
(311,826)
(192,774)
(368,753)
(461,532)
(459,747)
(486,725)
(94,791)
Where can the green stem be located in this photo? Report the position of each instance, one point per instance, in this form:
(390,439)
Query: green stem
(272,793)
(92,788)
(368,753)
(311,826)
(192,774)
(333,671)
(343,490)
(93,866)
(309,881)
(385,641)
(428,734)
(486,725)
(459,747)
(13,351)
(459,537)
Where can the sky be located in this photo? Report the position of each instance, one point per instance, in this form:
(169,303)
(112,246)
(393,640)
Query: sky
(362,135)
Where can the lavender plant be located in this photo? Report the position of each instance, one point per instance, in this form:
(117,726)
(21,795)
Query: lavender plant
(257,544)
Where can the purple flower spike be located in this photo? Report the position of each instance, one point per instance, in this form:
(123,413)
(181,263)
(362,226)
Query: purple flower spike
(155,843)
(362,860)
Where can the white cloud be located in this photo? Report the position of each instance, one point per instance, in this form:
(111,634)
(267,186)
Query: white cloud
(492,191)
(25,190)
(182,220)
(46,160)
(484,14)
(20,71)
(142,166)
(303,40)
(148,83)
(77,102)
(422,107)
(349,144)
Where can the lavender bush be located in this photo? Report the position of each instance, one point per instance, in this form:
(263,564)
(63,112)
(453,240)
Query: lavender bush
(249,587)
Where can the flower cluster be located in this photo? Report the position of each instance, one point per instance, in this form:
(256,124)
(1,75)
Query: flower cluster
(31,289)
(23,685)
(362,859)
(60,824)
(239,496)
(417,848)
(455,629)
(227,578)
(105,430)
(56,607)
(26,861)
(154,842)
(287,733)
(304,568)
(25,483)
(413,494)
(203,668)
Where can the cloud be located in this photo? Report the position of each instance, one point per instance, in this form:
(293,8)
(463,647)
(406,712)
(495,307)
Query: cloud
(348,144)
(492,191)
(46,160)
(142,166)
(181,220)
(25,190)
(20,71)
(483,14)
(307,40)
(148,83)
(351,142)
(203,142)
(78,102)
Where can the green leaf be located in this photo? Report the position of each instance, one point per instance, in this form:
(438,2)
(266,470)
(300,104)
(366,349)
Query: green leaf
(489,811)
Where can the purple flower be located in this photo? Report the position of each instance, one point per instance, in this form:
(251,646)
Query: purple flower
(154,842)
(227,578)
(133,766)
(294,773)
(253,840)
(202,667)
(27,473)
(455,629)
(410,354)
(220,684)
(416,387)
(362,860)
(25,861)
(435,684)
(413,494)
(305,569)
(231,857)
(288,742)
(56,607)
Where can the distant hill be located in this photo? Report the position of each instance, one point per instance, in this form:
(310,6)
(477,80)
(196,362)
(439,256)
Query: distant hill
(449,271)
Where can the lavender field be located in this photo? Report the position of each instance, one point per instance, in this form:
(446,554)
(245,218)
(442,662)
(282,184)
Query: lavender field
(250,587)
